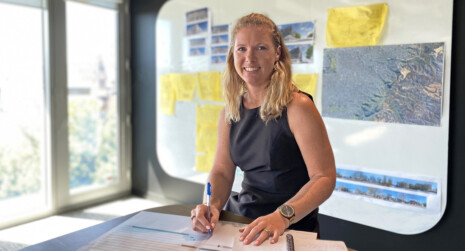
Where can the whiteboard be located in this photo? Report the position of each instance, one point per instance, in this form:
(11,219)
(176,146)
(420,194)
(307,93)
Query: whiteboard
(410,150)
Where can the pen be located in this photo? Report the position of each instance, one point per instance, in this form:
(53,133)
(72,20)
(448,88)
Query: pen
(290,242)
(209,194)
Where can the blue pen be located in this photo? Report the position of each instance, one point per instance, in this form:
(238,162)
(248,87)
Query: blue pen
(209,194)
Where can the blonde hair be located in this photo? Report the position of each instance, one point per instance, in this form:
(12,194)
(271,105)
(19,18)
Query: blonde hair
(279,92)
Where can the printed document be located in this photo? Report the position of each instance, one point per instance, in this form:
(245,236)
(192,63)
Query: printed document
(156,231)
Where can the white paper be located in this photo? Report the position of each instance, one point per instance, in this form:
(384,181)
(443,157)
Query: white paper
(300,238)
(320,245)
(148,231)
(156,231)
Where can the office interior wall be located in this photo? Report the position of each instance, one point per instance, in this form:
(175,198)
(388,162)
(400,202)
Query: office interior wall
(398,149)
(149,178)
(448,233)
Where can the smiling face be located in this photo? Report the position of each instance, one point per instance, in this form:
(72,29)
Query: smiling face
(255,55)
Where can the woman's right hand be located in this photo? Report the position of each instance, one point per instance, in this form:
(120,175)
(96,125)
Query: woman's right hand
(199,218)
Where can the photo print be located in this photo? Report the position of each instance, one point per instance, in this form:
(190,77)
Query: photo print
(219,43)
(301,53)
(197,22)
(403,83)
(197,46)
(299,38)
(389,189)
(197,29)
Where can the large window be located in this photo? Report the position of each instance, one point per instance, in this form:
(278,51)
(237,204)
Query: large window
(22,110)
(92,95)
(63,105)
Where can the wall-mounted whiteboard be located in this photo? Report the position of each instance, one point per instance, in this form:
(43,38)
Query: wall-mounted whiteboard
(393,175)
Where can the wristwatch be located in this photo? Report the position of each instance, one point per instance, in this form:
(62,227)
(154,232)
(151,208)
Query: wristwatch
(287,212)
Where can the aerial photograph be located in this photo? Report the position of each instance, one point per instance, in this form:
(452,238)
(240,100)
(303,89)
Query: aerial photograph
(391,83)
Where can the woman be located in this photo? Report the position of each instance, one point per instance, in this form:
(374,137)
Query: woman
(274,133)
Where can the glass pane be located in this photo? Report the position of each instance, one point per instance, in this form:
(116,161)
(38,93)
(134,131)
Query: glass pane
(22,144)
(92,95)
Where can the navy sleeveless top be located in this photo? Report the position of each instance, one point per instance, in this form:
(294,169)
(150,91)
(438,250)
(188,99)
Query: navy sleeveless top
(274,169)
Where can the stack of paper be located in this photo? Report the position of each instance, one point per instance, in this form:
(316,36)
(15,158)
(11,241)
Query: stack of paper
(155,231)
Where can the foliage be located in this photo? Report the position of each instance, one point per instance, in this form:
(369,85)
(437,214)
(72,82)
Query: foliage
(309,52)
(20,170)
(93,150)
(92,142)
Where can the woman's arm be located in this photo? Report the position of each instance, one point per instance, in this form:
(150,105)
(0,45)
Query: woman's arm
(310,133)
(221,178)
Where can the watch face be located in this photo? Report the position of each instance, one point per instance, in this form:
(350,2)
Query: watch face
(287,210)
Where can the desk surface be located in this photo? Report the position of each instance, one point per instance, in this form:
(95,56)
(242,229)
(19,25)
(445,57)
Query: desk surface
(75,240)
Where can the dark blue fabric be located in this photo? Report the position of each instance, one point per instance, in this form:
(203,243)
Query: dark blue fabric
(274,169)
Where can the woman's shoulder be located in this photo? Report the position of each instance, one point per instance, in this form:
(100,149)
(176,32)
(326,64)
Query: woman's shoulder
(300,100)
(302,113)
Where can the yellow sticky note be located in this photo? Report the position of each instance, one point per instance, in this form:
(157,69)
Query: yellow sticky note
(206,135)
(184,84)
(206,139)
(306,82)
(167,96)
(209,86)
(204,162)
(208,115)
(355,26)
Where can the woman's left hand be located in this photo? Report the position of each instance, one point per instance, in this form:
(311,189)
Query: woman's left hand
(271,225)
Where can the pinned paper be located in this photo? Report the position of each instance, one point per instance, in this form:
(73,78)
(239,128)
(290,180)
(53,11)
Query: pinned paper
(209,86)
(206,139)
(167,95)
(355,26)
(204,162)
(184,85)
(206,136)
(208,115)
(306,82)
(219,43)
(299,38)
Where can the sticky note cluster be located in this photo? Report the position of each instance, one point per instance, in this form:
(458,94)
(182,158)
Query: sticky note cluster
(181,87)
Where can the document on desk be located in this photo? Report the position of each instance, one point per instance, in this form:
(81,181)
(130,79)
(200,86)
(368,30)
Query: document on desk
(302,241)
(156,231)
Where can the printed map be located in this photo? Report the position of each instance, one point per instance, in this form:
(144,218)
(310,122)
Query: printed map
(394,83)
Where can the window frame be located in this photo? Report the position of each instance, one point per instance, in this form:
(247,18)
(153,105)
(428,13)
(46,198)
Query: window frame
(59,198)
(58,63)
